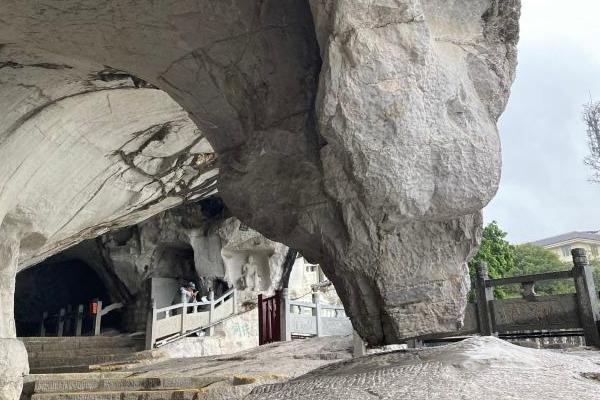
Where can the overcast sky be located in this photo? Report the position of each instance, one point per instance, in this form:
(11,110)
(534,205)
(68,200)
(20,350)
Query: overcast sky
(545,188)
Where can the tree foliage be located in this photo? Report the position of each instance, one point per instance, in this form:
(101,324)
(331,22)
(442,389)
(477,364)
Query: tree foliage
(506,260)
(591,117)
(497,252)
(531,259)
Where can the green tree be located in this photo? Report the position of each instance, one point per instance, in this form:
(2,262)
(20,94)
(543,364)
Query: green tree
(497,252)
(531,259)
(596,265)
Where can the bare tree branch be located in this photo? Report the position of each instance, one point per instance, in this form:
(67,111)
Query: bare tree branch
(591,117)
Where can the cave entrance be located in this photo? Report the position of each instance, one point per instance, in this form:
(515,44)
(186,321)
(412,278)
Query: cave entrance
(52,285)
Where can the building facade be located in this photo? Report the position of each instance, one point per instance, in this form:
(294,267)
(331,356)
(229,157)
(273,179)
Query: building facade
(563,244)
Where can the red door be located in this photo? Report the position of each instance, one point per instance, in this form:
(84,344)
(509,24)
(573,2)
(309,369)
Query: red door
(269,328)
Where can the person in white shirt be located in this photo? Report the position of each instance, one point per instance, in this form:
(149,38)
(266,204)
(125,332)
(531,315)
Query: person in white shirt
(188,293)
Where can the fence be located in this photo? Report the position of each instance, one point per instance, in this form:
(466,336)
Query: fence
(69,320)
(269,318)
(532,315)
(280,318)
(313,319)
(180,320)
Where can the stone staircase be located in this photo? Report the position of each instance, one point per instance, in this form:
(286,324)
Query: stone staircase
(124,386)
(52,355)
(91,368)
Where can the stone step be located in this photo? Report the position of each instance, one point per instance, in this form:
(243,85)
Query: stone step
(41,362)
(186,394)
(121,384)
(60,370)
(80,352)
(67,343)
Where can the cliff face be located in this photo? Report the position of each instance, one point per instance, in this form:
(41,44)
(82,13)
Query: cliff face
(362,133)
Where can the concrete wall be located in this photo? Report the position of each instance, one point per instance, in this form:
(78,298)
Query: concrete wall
(236,334)
(164,291)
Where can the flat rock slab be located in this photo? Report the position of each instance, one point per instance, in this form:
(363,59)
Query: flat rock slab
(477,368)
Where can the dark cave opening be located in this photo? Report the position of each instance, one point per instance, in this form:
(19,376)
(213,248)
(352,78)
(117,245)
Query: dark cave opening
(50,286)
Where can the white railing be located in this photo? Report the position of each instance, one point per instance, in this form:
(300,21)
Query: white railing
(182,319)
(302,318)
(69,320)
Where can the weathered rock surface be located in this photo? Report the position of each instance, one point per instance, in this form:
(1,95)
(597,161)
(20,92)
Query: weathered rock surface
(477,368)
(83,153)
(408,100)
(186,243)
(361,133)
(322,369)
(13,364)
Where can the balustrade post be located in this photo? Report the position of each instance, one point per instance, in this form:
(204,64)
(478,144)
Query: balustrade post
(43,324)
(98,318)
(484,296)
(184,311)
(211,312)
(261,326)
(79,320)
(68,320)
(151,324)
(317,311)
(234,298)
(61,322)
(589,312)
(286,335)
(528,290)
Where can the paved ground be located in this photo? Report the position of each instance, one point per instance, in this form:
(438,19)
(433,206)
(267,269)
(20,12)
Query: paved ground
(322,369)
(284,359)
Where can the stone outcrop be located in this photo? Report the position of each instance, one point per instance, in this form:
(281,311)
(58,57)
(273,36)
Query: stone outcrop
(362,133)
(13,364)
(407,156)
(186,243)
(198,242)
(476,368)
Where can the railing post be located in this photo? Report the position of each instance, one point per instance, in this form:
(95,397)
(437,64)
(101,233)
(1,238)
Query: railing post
(484,295)
(528,290)
(98,318)
(360,349)
(261,312)
(284,315)
(211,312)
(586,297)
(43,324)
(79,320)
(234,299)
(61,322)
(317,312)
(151,324)
(68,320)
(184,311)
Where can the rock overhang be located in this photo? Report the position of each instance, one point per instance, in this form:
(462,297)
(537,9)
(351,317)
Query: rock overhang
(371,151)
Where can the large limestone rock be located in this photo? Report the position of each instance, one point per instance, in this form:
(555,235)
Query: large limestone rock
(86,149)
(13,365)
(408,155)
(360,132)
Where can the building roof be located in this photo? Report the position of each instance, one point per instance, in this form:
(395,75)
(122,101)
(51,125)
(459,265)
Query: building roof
(565,237)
